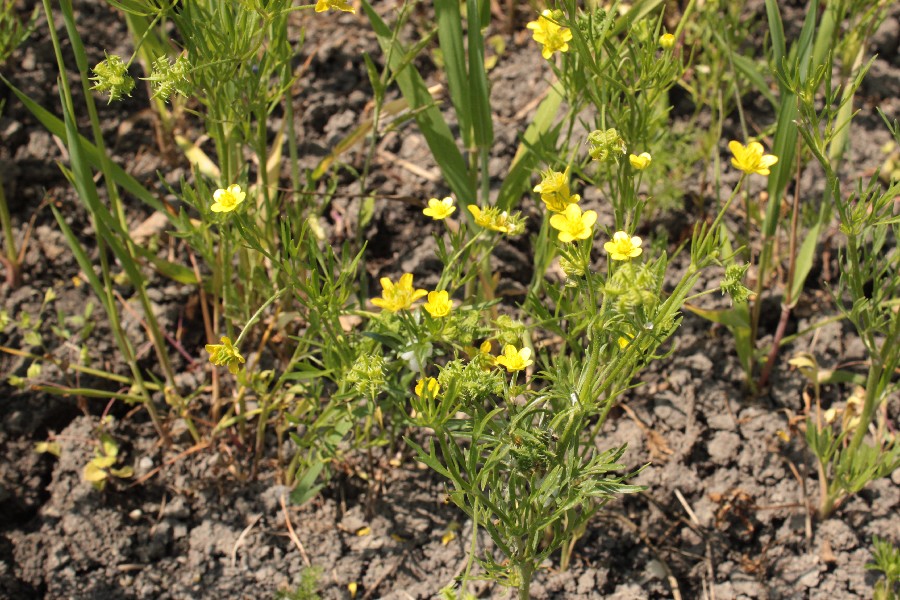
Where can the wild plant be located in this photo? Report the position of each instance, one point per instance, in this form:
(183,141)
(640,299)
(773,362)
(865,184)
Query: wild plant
(506,403)
(886,559)
(826,61)
(859,447)
(12,34)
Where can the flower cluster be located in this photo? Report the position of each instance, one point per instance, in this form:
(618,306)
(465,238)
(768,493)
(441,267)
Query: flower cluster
(569,220)
(401,296)
(550,34)
(554,190)
(575,224)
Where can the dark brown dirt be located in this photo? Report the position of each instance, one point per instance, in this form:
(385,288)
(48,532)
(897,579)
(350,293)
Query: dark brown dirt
(726,511)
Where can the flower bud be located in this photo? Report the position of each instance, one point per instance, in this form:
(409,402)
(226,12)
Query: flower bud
(111,77)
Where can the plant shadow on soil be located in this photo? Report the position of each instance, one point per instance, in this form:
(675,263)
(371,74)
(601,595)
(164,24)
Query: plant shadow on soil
(192,532)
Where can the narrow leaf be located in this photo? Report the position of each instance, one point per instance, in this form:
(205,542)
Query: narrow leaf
(428,117)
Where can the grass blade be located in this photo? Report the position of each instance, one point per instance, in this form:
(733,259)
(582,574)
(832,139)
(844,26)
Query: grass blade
(428,117)
(55,126)
(776,32)
(540,135)
(479,92)
(450,38)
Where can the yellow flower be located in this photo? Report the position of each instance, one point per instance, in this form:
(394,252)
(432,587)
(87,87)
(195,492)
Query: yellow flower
(514,360)
(624,341)
(550,34)
(227,200)
(429,384)
(641,161)
(554,190)
(344,5)
(491,218)
(750,158)
(398,297)
(623,246)
(481,356)
(225,354)
(666,41)
(573,225)
(439,209)
(439,304)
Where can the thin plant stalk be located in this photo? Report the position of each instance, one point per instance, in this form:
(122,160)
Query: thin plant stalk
(108,299)
(9,242)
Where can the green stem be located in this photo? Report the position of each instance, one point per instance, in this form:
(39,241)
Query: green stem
(10,240)
(525,572)
(485,177)
(873,393)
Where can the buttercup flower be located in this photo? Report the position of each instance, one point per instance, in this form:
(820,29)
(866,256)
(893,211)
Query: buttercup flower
(750,158)
(554,190)
(666,41)
(400,296)
(439,209)
(573,224)
(439,304)
(623,246)
(550,34)
(430,384)
(481,356)
(491,218)
(641,161)
(225,354)
(344,5)
(514,360)
(227,200)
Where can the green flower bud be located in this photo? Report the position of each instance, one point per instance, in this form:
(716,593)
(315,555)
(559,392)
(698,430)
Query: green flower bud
(367,375)
(170,78)
(111,77)
(731,283)
(606,144)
